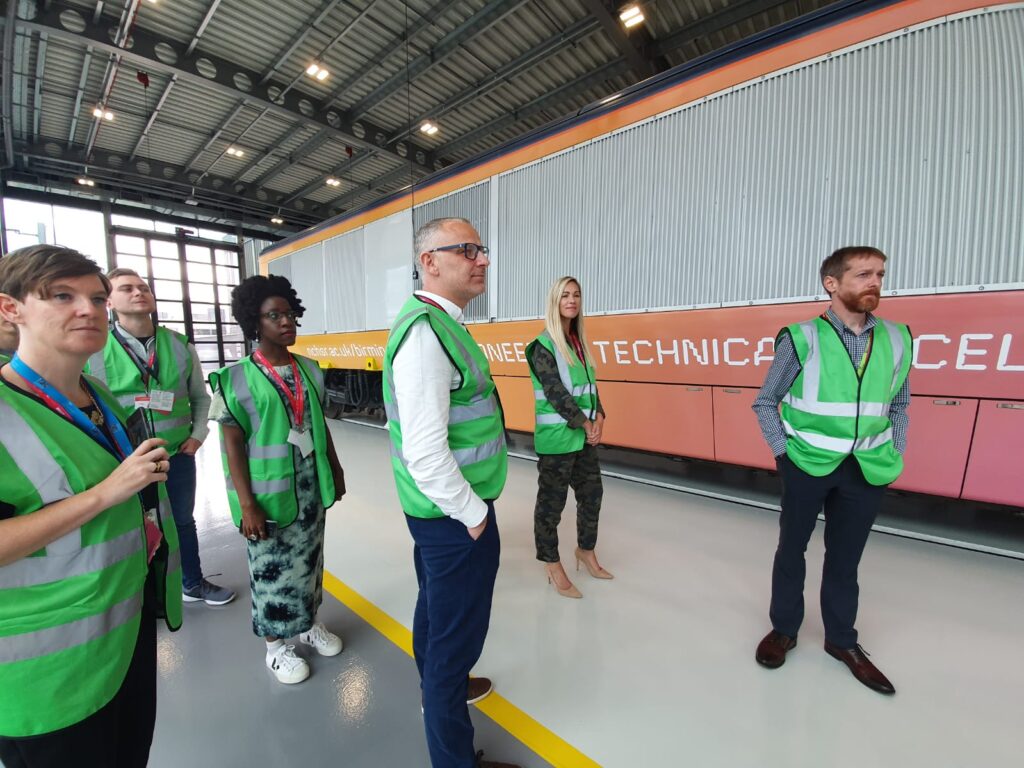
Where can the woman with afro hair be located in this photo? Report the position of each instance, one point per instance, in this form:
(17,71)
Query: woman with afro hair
(282,472)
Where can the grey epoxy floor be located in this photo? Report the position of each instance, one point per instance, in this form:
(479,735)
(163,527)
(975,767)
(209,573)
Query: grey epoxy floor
(218,705)
(654,668)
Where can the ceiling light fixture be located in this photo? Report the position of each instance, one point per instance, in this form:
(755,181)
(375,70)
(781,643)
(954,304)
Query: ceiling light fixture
(85,181)
(317,70)
(429,128)
(631,16)
(235,152)
(276,220)
(333,182)
(99,112)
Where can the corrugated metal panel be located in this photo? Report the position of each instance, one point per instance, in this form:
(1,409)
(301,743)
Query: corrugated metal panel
(911,144)
(472,203)
(307,278)
(344,277)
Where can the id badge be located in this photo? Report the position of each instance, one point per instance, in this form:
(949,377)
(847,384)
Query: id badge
(142,401)
(302,440)
(160,400)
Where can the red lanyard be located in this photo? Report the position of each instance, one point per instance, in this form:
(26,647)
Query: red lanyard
(578,347)
(296,401)
(431,302)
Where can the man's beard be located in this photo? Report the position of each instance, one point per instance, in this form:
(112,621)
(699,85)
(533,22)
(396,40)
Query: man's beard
(863,302)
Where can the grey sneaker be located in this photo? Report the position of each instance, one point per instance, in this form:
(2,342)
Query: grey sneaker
(209,593)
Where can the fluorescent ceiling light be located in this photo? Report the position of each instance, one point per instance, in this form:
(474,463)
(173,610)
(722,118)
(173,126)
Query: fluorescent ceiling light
(630,13)
(429,128)
(317,70)
(236,152)
(277,220)
(333,182)
(86,182)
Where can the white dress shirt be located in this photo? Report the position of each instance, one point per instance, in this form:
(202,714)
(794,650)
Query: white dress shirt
(424,379)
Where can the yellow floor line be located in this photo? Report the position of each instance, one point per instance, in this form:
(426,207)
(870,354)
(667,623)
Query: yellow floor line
(544,742)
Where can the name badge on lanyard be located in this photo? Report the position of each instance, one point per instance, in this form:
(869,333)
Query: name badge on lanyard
(298,436)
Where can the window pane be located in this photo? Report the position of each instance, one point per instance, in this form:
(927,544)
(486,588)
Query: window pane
(130,221)
(231,332)
(138,263)
(165,269)
(229,258)
(171,311)
(167,227)
(84,230)
(209,368)
(208,352)
(224,294)
(212,234)
(164,249)
(200,292)
(225,314)
(167,289)
(125,244)
(227,275)
(197,253)
(234,351)
(204,332)
(203,313)
(202,272)
(179,327)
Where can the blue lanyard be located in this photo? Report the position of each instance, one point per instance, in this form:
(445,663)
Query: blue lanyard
(64,407)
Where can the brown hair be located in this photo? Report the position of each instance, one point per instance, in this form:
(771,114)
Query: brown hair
(839,261)
(122,272)
(37,267)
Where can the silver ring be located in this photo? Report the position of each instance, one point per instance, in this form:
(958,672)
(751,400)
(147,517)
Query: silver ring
(252,537)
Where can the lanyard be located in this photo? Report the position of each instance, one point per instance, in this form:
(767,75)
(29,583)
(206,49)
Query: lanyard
(148,369)
(58,403)
(867,349)
(296,401)
(431,302)
(578,346)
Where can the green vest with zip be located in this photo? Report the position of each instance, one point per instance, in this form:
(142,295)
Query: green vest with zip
(116,368)
(552,433)
(831,412)
(70,612)
(265,420)
(476,429)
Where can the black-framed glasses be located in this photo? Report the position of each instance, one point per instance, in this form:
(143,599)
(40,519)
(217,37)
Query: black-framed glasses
(276,316)
(469,250)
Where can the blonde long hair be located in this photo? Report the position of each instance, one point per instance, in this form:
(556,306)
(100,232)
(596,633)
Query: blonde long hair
(553,322)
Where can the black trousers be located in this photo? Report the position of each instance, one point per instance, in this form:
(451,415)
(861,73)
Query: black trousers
(117,736)
(851,505)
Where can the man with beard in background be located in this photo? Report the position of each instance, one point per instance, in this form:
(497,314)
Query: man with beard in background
(838,441)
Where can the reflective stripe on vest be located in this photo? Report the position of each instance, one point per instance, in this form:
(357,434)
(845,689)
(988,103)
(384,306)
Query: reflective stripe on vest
(810,403)
(43,642)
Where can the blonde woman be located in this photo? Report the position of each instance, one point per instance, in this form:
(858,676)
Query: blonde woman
(569,422)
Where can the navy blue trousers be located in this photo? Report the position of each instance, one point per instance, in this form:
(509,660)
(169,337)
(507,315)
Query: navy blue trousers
(453,609)
(181,492)
(851,505)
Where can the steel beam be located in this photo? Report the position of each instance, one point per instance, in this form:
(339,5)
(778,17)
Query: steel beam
(164,179)
(269,97)
(486,17)
(531,58)
(202,27)
(556,97)
(82,80)
(714,22)
(627,44)
(340,171)
(388,50)
(152,117)
(305,29)
(7,108)
(37,97)
(308,147)
(343,202)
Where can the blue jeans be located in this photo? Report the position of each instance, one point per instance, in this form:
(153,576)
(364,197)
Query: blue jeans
(453,609)
(181,490)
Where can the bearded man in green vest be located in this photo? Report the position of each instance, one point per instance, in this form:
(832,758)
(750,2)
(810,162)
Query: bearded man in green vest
(838,439)
(150,366)
(449,459)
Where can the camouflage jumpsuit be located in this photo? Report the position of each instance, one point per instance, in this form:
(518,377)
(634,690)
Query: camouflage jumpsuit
(556,472)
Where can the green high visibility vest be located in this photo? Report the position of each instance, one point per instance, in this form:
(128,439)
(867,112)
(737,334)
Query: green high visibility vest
(116,368)
(70,612)
(255,403)
(552,433)
(4,358)
(830,412)
(476,429)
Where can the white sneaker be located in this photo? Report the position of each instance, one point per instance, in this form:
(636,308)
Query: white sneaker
(288,667)
(326,643)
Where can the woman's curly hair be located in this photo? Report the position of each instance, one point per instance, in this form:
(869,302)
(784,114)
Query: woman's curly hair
(249,295)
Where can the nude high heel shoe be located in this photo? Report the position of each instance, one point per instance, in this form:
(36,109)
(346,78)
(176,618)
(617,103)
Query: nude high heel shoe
(598,572)
(569,591)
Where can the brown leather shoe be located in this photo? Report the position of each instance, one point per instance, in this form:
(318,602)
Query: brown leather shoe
(771,651)
(479,688)
(857,660)
(481,763)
